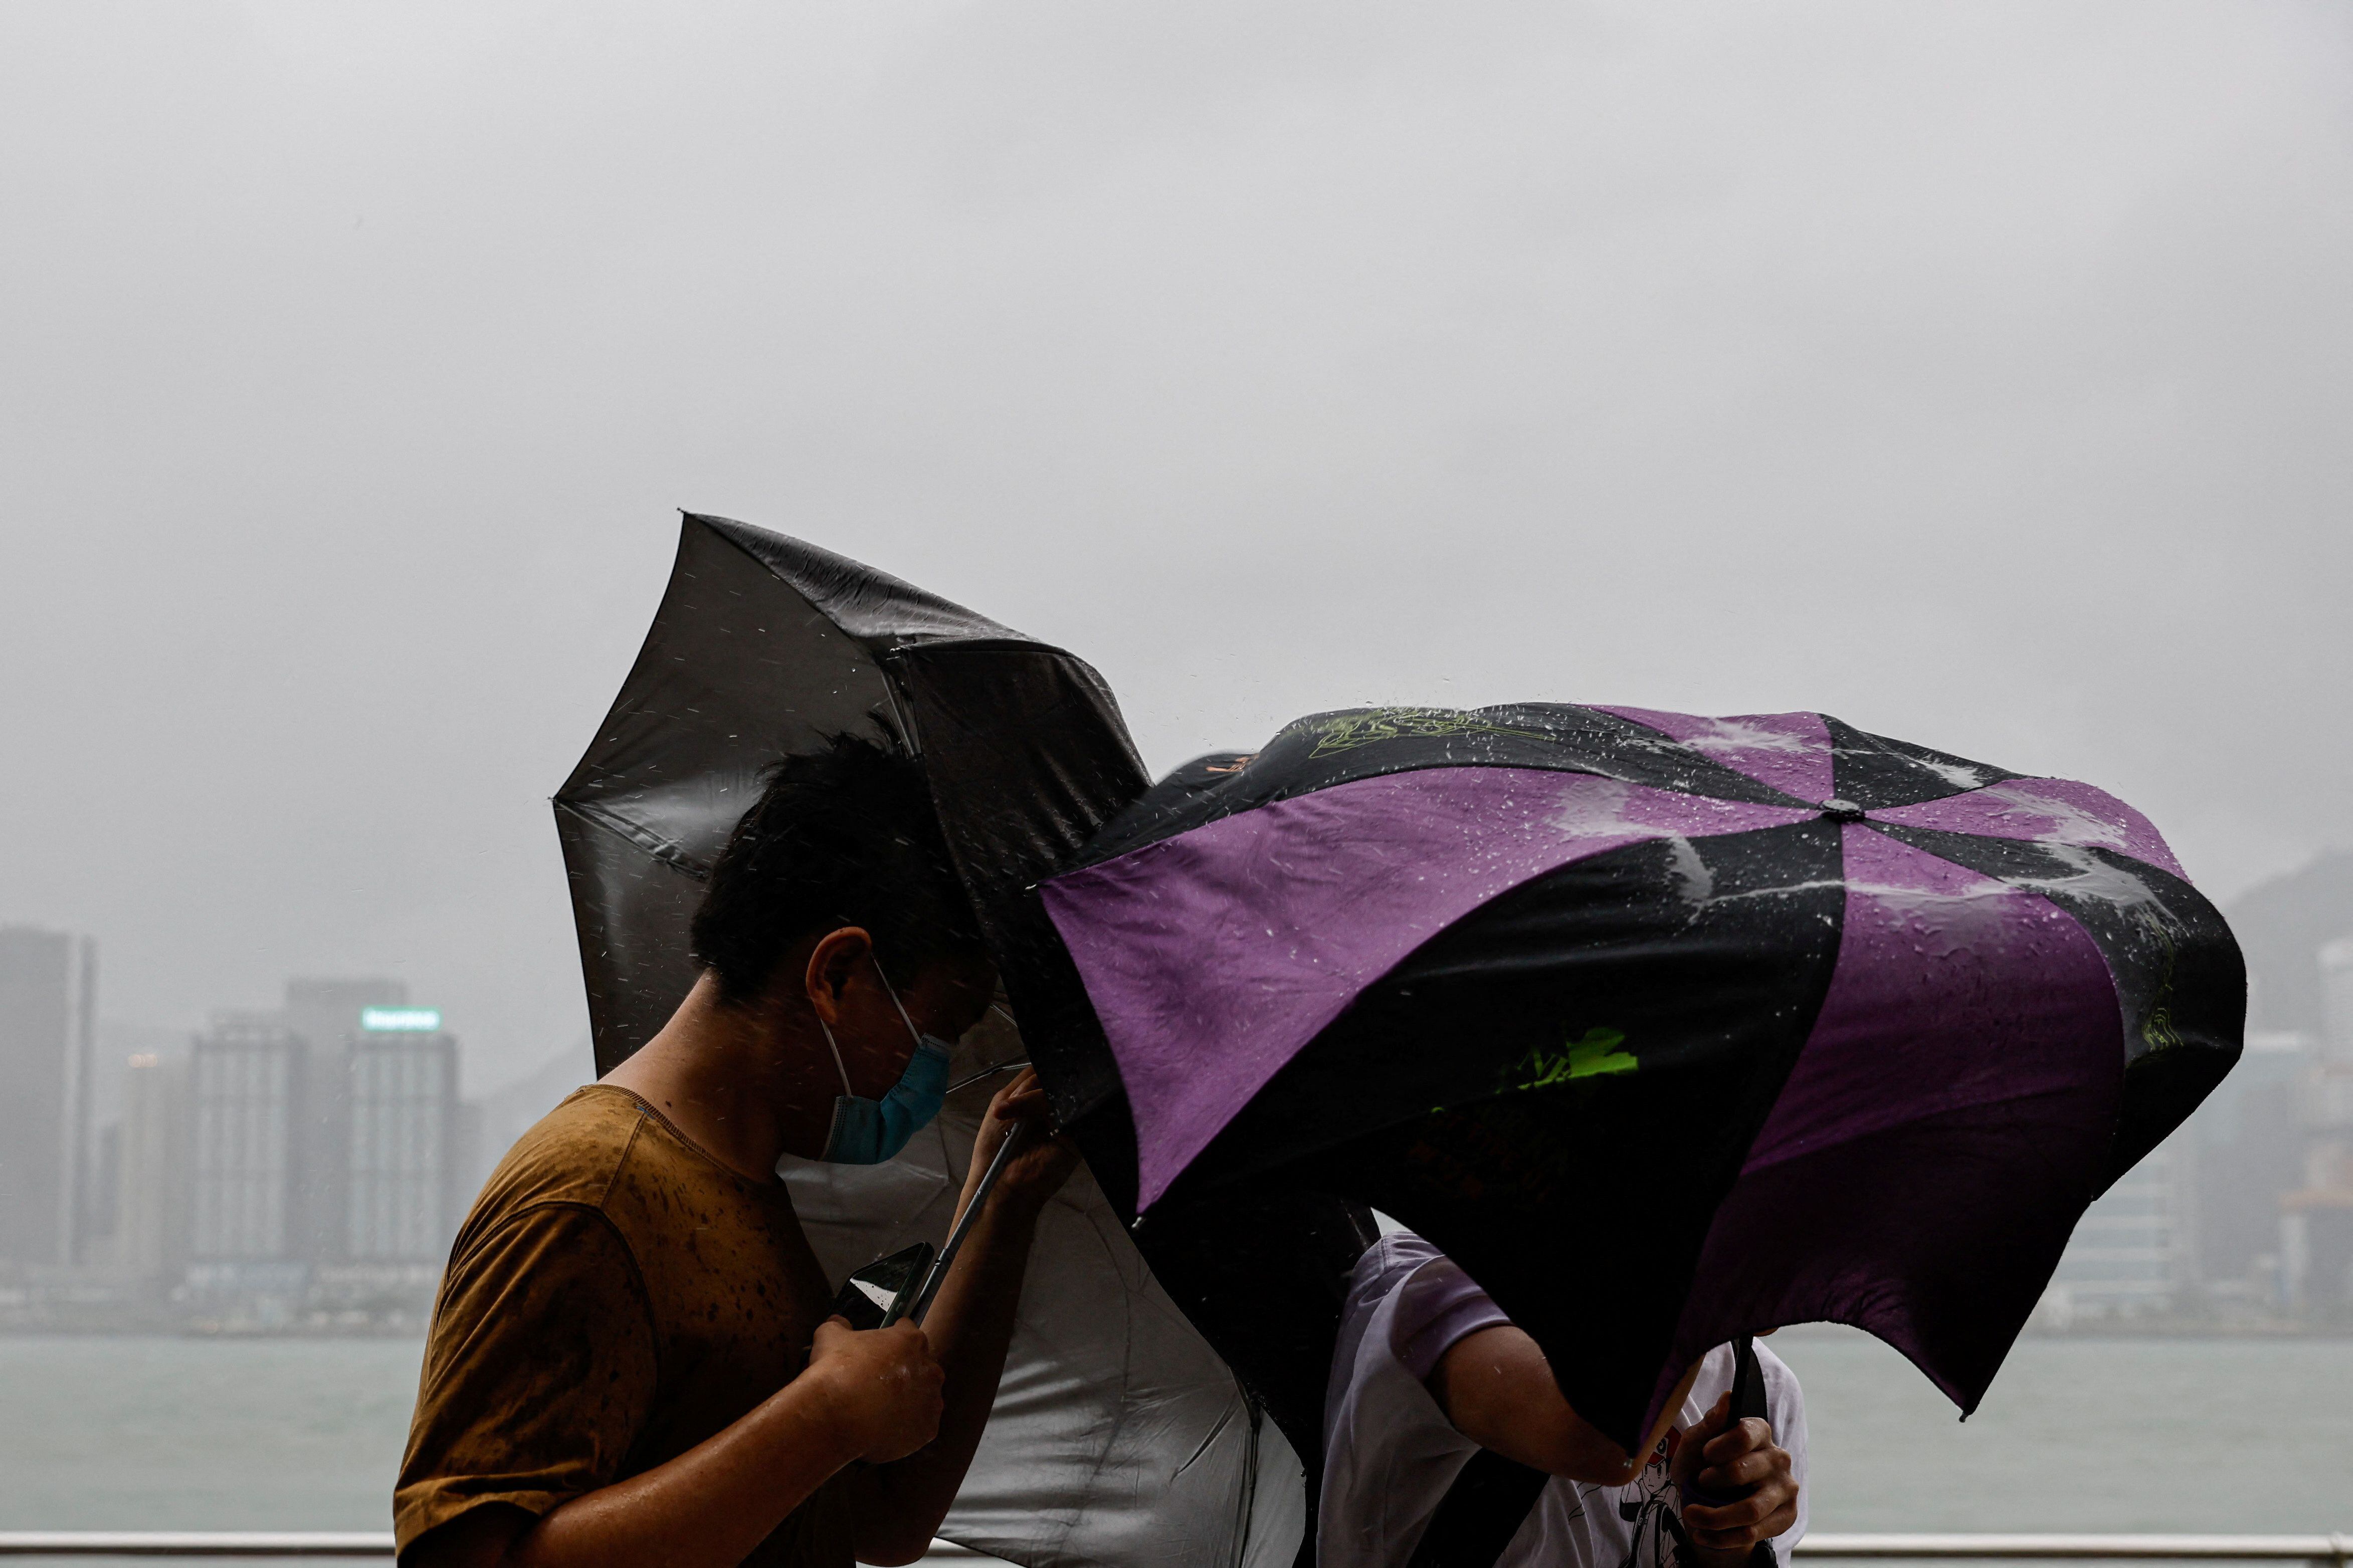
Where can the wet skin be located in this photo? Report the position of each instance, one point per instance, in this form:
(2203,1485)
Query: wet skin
(750,1081)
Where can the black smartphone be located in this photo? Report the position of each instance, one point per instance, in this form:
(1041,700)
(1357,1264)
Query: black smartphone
(881,1293)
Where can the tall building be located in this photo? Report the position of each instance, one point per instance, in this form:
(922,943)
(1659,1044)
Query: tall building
(325,1014)
(151,1219)
(247,1081)
(2133,1251)
(401,1092)
(47,982)
(2317,1217)
(2250,1150)
(322,1144)
(2336,959)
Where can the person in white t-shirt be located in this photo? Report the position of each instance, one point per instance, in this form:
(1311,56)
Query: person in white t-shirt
(1428,1371)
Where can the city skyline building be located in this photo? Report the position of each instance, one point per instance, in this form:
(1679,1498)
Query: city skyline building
(297,1160)
(48,998)
(2335,960)
(247,1081)
(402,1093)
(2250,1152)
(324,1012)
(2317,1217)
(323,1144)
(151,1219)
(2134,1251)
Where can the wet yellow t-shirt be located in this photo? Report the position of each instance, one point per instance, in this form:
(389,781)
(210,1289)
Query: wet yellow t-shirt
(616,1296)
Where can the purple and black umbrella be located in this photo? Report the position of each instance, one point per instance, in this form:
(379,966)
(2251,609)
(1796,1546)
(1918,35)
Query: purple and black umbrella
(1669,1030)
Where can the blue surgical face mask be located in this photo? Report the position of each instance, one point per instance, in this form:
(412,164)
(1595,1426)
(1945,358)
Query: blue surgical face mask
(868,1131)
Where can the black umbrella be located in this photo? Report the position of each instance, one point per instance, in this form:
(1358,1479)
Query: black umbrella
(1123,1425)
(763,648)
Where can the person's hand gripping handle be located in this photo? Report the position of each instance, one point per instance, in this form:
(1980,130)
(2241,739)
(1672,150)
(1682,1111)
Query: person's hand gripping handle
(1031,1163)
(1737,1483)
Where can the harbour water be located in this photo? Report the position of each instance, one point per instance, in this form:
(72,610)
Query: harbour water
(2229,1436)
(2079,1435)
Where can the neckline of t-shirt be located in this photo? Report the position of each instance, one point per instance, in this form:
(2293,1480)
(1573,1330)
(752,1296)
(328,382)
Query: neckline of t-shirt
(773,1185)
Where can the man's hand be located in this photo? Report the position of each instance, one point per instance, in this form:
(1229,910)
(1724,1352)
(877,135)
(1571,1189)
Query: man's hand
(1724,1455)
(1039,1170)
(881,1387)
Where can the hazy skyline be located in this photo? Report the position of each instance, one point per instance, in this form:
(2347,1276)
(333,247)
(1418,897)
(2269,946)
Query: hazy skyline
(1980,374)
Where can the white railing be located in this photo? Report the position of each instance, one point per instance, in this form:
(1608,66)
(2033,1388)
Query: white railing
(196,1543)
(2336,1550)
(2321,1550)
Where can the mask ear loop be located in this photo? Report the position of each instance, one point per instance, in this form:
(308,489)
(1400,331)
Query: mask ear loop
(891,992)
(912,1033)
(837,1056)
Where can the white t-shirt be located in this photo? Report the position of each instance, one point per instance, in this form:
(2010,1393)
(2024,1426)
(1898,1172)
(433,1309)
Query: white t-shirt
(1390,1453)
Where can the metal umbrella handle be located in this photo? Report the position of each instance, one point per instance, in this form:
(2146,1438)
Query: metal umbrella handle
(1014,1141)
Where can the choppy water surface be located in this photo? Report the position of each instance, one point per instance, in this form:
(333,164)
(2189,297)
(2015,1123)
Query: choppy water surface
(169,1434)
(2226,1435)
(2183,1435)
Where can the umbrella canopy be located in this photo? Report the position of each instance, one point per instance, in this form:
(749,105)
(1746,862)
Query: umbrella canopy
(1668,1028)
(765,647)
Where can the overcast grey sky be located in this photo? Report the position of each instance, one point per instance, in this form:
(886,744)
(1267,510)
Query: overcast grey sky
(1978,372)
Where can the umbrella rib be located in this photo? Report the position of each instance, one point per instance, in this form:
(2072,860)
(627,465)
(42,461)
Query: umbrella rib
(660,849)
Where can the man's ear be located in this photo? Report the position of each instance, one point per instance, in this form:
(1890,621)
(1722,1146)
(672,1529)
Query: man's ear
(839,956)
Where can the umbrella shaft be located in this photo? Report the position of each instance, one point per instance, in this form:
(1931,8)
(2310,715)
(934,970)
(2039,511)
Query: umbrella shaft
(938,1275)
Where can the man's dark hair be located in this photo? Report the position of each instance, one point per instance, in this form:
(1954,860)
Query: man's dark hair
(841,836)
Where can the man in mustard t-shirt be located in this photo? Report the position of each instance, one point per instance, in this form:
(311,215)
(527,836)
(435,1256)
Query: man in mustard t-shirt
(631,1360)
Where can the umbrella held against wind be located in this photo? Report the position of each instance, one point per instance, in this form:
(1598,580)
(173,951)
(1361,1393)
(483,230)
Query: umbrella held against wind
(1898,1017)
(1667,1029)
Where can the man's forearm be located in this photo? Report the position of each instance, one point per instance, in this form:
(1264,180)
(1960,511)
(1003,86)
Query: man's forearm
(970,1326)
(708,1507)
